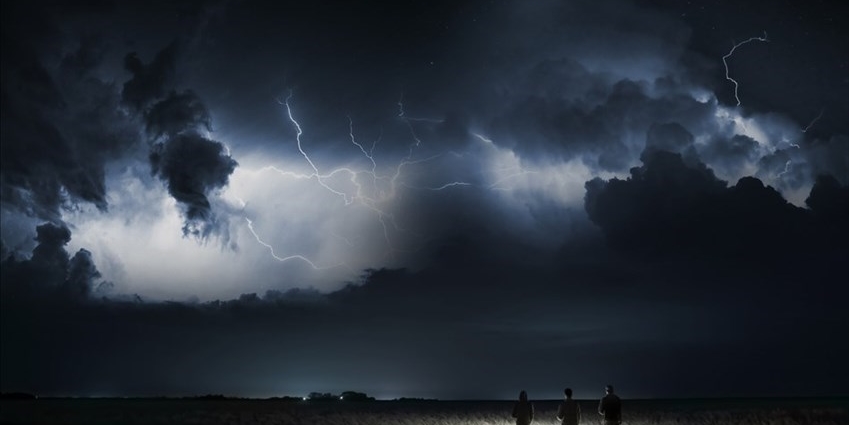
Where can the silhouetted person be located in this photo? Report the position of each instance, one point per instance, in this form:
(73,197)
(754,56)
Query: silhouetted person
(610,407)
(523,410)
(569,412)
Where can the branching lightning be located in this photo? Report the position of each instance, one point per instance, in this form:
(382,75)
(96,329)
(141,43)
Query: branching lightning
(375,186)
(290,257)
(496,185)
(796,145)
(372,189)
(274,255)
(315,174)
(731,52)
(447,185)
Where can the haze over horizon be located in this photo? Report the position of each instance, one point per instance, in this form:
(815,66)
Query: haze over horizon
(424,199)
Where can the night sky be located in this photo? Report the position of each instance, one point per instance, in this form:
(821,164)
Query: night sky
(454,200)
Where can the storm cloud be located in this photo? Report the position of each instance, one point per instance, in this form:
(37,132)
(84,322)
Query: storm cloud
(149,81)
(60,127)
(50,273)
(418,197)
(192,166)
(667,207)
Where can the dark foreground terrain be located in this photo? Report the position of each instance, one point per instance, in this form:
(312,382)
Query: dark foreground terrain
(286,412)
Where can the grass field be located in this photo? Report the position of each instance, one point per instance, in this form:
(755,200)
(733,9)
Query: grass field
(636,412)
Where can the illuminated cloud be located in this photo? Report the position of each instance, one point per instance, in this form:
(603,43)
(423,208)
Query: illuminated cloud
(273,191)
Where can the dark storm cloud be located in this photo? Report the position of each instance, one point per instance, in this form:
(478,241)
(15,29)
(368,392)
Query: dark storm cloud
(696,235)
(155,338)
(193,167)
(734,151)
(605,129)
(830,156)
(149,81)
(60,125)
(801,71)
(758,291)
(668,208)
(64,121)
(829,204)
(541,94)
(672,137)
(82,274)
(90,54)
(50,251)
(415,334)
(51,273)
(365,328)
(799,164)
(177,113)
(557,100)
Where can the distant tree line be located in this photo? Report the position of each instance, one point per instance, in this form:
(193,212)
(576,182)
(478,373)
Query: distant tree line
(345,396)
(17,396)
(313,396)
(414,399)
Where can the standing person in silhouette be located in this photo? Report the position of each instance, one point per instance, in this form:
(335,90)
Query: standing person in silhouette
(610,407)
(523,410)
(569,412)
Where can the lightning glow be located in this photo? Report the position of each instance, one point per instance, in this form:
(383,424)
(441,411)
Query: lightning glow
(796,145)
(376,188)
(370,189)
(372,185)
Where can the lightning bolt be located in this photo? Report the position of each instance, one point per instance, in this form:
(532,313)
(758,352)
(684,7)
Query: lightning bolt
(374,185)
(290,257)
(496,185)
(796,145)
(731,52)
(447,185)
(372,189)
(271,248)
(320,178)
(483,138)
(403,114)
(786,169)
(811,124)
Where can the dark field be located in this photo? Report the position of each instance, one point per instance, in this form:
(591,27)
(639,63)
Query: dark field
(247,411)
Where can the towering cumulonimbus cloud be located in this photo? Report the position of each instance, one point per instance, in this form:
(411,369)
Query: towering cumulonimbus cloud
(50,269)
(191,165)
(71,129)
(671,207)
(50,251)
(82,275)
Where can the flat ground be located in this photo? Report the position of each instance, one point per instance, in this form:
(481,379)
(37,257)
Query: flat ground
(636,412)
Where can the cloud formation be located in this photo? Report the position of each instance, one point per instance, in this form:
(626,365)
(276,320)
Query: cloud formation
(193,166)
(175,114)
(61,126)
(51,273)
(668,207)
(149,81)
(564,182)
